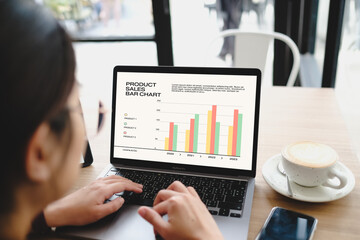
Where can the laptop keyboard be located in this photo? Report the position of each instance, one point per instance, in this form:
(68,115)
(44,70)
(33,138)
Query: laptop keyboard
(222,197)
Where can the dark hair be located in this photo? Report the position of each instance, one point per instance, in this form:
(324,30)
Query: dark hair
(37,66)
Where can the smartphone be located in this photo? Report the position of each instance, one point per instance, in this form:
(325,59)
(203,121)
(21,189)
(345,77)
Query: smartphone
(286,224)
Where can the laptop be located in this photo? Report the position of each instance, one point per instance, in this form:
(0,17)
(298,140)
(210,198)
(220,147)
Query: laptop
(195,125)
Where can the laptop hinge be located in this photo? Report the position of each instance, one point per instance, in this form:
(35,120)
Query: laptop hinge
(183,173)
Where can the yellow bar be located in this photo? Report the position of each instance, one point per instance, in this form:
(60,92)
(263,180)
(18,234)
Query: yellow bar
(166,143)
(187,140)
(230,140)
(208,132)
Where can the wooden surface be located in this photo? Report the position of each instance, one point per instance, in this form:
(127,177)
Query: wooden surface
(287,115)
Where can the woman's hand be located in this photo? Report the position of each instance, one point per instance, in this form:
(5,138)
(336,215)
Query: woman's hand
(188,217)
(87,204)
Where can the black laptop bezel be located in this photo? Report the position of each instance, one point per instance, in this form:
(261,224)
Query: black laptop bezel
(182,167)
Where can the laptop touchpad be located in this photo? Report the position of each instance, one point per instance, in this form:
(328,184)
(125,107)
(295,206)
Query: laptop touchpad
(128,224)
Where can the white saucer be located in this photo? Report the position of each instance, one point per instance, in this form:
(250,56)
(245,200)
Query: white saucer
(277,181)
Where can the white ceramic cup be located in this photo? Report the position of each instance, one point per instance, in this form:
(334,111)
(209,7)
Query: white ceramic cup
(311,164)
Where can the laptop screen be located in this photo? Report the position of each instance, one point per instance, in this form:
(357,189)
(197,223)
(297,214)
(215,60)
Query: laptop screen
(195,117)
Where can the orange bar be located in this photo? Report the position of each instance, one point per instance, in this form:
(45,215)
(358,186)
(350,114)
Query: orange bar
(171,136)
(213,127)
(191,142)
(235,128)
(187,140)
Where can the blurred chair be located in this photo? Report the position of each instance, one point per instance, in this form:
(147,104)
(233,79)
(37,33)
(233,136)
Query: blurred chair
(251,50)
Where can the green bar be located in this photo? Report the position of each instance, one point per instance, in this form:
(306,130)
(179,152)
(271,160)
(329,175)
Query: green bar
(175,137)
(217,136)
(196,133)
(238,142)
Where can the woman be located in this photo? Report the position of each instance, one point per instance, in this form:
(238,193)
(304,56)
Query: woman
(42,140)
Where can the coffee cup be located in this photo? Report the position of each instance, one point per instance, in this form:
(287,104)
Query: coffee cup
(312,164)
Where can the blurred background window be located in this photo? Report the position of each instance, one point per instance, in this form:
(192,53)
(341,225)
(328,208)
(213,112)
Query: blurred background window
(104,18)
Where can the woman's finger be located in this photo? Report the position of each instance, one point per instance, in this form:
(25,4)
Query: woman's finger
(178,187)
(117,180)
(109,207)
(117,187)
(150,215)
(163,207)
(114,178)
(163,195)
(193,192)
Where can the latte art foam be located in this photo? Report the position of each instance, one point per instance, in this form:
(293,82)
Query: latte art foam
(311,154)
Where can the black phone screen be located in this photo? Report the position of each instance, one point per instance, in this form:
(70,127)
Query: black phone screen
(286,224)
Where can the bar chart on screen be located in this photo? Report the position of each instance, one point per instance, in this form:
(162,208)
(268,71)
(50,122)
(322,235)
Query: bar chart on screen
(213,129)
